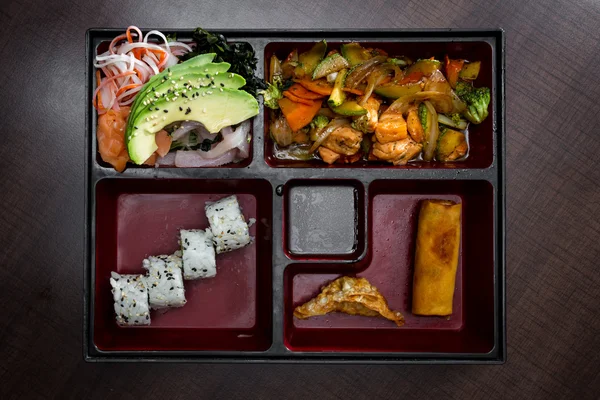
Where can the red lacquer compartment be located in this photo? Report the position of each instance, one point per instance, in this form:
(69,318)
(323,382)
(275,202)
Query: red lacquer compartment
(324,219)
(103,47)
(393,216)
(136,218)
(481,144)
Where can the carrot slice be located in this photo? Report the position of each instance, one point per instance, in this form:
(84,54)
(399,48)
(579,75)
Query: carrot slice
(319,86)
(297,99)
(413,77)
(300,91)
(353,91)
(163,141)
(453,68)
(298,115)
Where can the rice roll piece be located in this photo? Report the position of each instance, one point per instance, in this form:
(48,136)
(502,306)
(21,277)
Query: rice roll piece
(131,299)
(436,258)
(198,254)
(227,223)
(165,281)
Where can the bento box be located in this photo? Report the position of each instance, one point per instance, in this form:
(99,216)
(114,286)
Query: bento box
(313,223)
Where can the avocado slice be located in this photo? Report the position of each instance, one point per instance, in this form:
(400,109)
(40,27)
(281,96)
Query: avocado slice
(354,53)
(196,61)
(333,63)
(338,96)
(308,61)
(185,84)
(214,108)
(394,91)
(350,108)
(173,77)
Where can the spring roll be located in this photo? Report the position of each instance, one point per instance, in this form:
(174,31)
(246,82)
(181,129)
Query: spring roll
(436,258)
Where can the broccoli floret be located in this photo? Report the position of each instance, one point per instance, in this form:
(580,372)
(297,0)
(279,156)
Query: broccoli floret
(456,118)
(319,122)
(476,99)
(273,93)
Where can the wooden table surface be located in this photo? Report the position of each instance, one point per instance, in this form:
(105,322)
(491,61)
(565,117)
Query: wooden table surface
(553,224)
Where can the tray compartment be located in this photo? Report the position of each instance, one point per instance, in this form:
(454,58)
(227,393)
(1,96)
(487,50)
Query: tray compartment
(324,219)
(393,212)
(137,218)
(480,137)
(101,47)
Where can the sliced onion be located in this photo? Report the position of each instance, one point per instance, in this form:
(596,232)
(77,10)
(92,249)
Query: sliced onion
(433,132)
(362,71)
(167,161)
(244,148)
(331,77)
(326,131)
(195,158)
(442,119)
(373,80)
(230,141)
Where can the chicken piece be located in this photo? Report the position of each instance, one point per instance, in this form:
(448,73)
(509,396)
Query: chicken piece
(344,140)
(413,124)
(398,152)
(391,127)
(368,122)
(327,155)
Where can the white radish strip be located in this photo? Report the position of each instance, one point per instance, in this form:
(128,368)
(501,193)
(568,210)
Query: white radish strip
(152,65)
(137,30)
(159,34)
(180,44)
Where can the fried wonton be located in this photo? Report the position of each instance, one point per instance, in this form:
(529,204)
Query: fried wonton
(354,296)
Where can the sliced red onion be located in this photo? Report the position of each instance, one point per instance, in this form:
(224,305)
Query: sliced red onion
(195,159)
(231,140)
(167,161)
(245,146)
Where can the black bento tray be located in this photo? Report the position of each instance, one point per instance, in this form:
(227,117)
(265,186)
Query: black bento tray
(371,178)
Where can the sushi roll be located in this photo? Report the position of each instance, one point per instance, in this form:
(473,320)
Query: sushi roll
(227,224)
(131,299)
(165,281)
(198,254)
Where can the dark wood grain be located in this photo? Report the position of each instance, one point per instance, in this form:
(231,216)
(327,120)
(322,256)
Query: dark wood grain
(553,218)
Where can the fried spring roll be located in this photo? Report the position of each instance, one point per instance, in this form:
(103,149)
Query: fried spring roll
(436,258)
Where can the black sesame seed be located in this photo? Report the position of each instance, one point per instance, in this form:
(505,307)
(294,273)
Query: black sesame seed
(204,270)
(184,95)
(222,85)
(197,94)
(166,111)
(194,269)
(147,317)
(127,280)
(154,89)
(207,75)
(180,109)
(189,110)
(171,289)
(141,291)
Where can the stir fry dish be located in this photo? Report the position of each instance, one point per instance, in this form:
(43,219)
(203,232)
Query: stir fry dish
(358,103)
(171,103)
